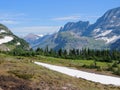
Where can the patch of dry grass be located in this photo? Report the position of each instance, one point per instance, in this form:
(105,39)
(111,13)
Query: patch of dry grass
(19,68)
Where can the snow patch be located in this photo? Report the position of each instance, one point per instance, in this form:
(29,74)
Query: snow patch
(111,21)
(104,33)
(114,38)
(2,31)
(6,39)
(18,43)
(114,16)
(109,40)
(96,30)
(40,35)
(81,74)
(118,24)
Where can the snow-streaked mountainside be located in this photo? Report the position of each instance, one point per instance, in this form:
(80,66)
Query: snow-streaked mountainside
(9,41)
(107,27)
(100,35)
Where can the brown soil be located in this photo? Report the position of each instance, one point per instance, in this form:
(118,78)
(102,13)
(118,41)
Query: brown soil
(12,83)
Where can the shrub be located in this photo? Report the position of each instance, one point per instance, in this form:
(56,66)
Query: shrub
(1,60)
(21,75)
(116,71)
(99,68)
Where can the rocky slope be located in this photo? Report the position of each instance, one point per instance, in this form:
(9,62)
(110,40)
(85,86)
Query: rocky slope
(32,38)
(115,45)
(77,27)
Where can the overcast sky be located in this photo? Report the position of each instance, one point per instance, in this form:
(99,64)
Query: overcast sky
(47,16)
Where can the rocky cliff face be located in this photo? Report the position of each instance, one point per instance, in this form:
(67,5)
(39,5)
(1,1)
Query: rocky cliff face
(77,27)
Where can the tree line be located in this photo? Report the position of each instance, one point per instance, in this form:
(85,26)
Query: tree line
(83,54)
(76,54)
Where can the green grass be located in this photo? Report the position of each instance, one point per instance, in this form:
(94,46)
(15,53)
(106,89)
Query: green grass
(42,78)
(68,62)
(85,65)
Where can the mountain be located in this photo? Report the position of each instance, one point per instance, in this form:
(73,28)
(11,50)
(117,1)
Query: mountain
(100,35)
(115,45)
(107,27)
(9,41)
(43,41)
(68,40)
(77,27)
(32,38)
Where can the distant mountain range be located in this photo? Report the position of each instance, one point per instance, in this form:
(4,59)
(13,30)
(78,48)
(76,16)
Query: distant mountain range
(32,38)
(9,41)
(104,33)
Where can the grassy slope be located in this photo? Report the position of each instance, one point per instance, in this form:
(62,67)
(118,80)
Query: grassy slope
(78,64)
(19,73)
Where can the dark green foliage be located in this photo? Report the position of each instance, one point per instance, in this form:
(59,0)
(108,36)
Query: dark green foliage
(60,53)
(117,71)
(84,54)
(22,52)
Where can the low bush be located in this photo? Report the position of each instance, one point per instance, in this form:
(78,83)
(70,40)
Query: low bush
(21,75)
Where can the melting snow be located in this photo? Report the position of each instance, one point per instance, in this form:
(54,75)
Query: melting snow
(2,31)
(111,21)
(109,40)
(114,16)
(18,43)
(96,30)
(81,74)
(118,24)
(6,39)
(40,35)
(104,33)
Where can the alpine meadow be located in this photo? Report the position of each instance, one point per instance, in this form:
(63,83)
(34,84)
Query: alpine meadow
(60,45)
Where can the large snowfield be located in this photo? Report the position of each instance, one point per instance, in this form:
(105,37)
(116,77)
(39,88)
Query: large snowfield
(103,79)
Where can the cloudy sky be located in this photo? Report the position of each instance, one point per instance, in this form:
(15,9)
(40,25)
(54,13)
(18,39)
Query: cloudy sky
(47,16)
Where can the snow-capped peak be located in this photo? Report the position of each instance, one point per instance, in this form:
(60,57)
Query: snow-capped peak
(40,35)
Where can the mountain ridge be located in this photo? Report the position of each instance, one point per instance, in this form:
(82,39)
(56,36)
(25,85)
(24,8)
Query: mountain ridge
(82,34)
